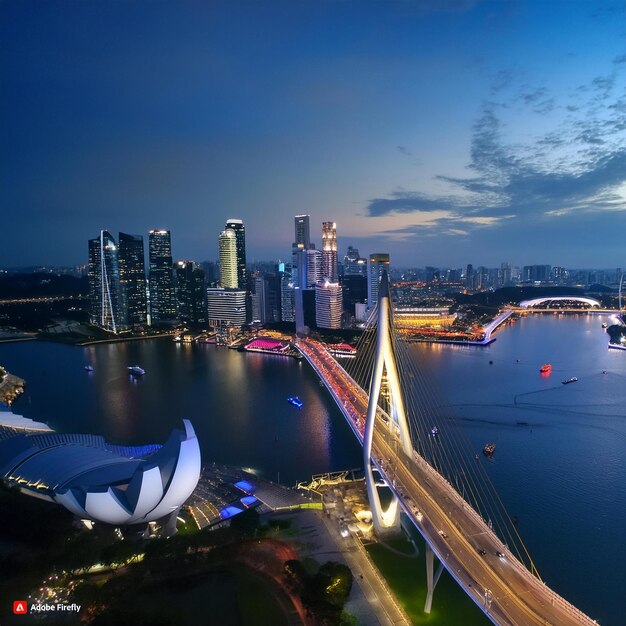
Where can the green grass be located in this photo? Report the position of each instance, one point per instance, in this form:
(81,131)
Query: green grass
(407,578)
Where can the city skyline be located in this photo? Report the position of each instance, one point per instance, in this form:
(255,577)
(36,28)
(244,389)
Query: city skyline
(437,129)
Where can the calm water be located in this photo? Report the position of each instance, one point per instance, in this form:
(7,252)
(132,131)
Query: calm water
(563,475)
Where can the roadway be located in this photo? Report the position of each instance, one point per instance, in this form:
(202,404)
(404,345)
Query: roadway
(502,587)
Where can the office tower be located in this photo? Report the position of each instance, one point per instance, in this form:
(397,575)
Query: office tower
(313,269)
(329,251)
(211,272)
(469,276)
(260,299)
(287,295)
(161,281)
(379,262)
(226,306)
(303,233)
(190,293)
(133,278)
(328,305)
(505,278)
(354,290)
(240,251)
(228,259)
(353,264)
(105,291)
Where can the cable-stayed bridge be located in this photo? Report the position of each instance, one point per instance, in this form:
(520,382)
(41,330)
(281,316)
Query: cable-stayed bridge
(435,477)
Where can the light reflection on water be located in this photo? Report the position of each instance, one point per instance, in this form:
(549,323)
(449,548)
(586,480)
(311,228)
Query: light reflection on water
(562,473)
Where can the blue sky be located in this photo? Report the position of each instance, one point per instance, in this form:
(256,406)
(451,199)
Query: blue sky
(444,132)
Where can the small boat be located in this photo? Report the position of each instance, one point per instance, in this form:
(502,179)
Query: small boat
(573,379)
(545,368)
(135,370)
(489,449)
(295,401)
(88,368)
(605,325)
(434,431)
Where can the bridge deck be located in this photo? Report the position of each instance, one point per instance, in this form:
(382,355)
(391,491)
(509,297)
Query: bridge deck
(502,587)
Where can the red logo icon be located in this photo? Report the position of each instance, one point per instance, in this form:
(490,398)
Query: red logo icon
(20,607)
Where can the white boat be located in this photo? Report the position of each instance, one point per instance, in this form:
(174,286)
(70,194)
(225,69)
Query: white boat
(88,368)
(136,370)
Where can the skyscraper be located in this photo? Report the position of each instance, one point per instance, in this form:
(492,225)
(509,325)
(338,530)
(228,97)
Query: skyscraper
(133,278)
(329,251)
(353,264)
(228,259)
(313,269)
(303,232)
(328,305)
(161,281)
(239,229)
(105,291)
(379,263)
(190,293)
(287,295)
(226,306)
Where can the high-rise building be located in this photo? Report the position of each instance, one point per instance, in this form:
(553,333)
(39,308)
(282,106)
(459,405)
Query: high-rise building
(190,293)
(226,306)
(329,251)
(379,262)
(313,269)
(287,295)
(469,277)
(133,278)
(239,229)
(354,290)
(105,292)
(161,281)
(353,264)
(328,305)
(303,232)
(228,259)
(260,300)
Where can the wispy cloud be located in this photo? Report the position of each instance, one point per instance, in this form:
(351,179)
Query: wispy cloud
(578,166)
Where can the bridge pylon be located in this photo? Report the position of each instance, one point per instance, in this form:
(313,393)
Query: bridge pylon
(385,521)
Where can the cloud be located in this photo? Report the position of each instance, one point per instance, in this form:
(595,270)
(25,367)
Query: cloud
(404,150)
(579,167)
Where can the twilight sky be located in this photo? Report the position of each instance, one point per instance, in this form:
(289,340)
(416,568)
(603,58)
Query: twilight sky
(445,132)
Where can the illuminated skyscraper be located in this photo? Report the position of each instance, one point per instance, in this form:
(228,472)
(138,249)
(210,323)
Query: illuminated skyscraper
(328,305)
(228,259)
(379,263)
(190,293)
(329,251)
(105,293)
(303,232)
(239,229)
(133,278)
(287,295)
(161,281)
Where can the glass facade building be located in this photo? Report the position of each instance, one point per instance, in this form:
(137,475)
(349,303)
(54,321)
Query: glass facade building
(239,229)
(162,289)
(105,292)
(133,279)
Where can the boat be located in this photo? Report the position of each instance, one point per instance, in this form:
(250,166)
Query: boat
(545,368)
(295,401)
(135,370)
(434,431)
(489,449)
(573,379)
(605,325)
(88,368)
